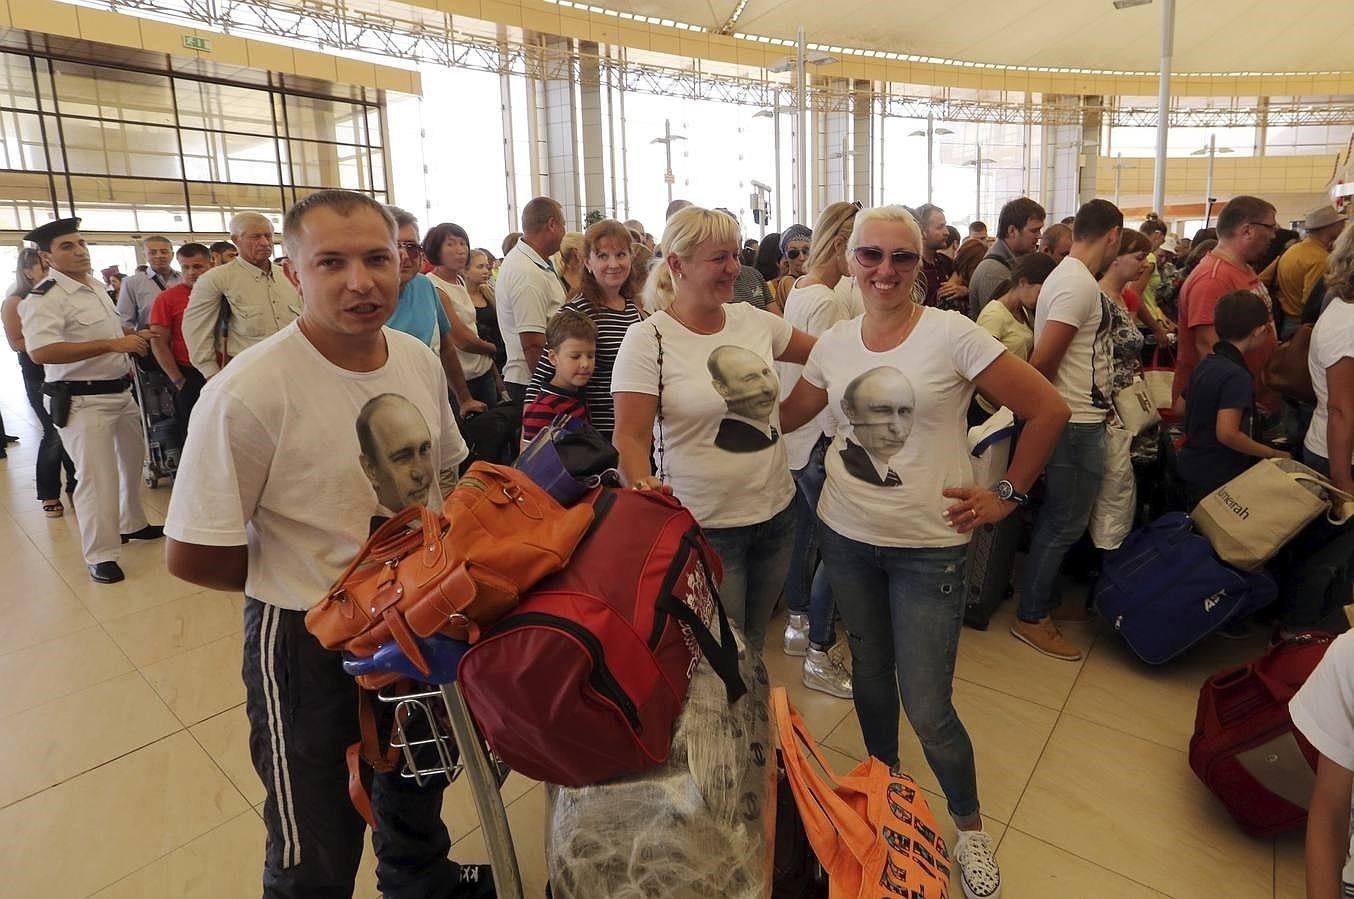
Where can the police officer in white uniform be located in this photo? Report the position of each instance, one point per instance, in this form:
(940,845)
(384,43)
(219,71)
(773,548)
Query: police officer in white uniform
(71,327)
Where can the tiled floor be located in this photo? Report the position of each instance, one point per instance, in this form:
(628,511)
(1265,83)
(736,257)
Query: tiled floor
(125,771)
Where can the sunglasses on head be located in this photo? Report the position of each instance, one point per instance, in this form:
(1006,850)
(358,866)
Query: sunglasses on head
(902,260)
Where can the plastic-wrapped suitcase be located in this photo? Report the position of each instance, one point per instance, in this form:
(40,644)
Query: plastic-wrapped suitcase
(990,562)
(155,399)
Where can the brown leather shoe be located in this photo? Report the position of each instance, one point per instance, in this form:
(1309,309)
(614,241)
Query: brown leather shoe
(1044,637)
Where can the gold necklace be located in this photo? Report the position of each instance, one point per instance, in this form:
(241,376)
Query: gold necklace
(685,324)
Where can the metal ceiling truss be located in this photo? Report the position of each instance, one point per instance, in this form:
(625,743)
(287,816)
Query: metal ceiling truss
(430,37)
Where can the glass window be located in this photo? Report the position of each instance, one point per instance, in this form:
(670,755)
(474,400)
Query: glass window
(117,204)
(22,145)
(309,118)
(113,94)
(333,165)
(118,148)
(26,203)
(16,82)
(214,204)
(210,156)
(223,107)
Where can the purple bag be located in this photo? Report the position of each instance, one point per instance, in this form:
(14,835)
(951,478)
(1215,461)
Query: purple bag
(567,458)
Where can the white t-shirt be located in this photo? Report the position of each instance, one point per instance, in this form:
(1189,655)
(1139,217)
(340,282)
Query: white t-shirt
(902,436)
(1332,340)
(1071,295)
(1323,710)
(472,364)
(848,292)
(725,461)
(527,294)
(273,459)
(812,309)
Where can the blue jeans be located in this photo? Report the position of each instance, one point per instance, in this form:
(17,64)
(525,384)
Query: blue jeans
(807,590)
(484,388)
(52,456)
(1073,481)
(903,609)
(755,557)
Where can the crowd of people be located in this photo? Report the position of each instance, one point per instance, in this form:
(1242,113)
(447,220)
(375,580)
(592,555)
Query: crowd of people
(807,396)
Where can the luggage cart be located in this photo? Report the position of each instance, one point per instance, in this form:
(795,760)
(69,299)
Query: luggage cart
(437,737)
(159,422)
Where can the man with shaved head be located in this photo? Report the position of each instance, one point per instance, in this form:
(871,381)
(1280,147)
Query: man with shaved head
(249,298)
(750,390)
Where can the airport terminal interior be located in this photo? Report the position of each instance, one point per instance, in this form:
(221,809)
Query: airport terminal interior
(125,769)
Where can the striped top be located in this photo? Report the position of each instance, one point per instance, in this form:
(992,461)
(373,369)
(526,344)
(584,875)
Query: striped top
(611,328)
(550,402)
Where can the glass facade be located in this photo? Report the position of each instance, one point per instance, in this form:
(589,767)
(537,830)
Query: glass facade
(135,151)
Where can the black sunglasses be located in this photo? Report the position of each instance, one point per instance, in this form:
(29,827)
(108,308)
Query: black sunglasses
(792,254)
(901,260)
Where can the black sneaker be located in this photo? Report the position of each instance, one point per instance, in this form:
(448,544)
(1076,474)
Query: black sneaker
(476,882)
(106,573)
(149,532)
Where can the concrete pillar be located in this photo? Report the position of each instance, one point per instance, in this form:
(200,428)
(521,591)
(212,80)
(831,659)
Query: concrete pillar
(590,120)
(834,151)
(562,170)
(1091,114)
(862,143)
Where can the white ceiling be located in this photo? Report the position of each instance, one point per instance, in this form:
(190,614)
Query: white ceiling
(1211,35)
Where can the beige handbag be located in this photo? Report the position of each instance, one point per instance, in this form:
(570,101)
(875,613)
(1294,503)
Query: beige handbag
(1250,518)
(1136,407)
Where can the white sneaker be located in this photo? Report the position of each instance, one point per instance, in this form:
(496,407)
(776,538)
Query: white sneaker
(824,672)
(796,634)
(977,862)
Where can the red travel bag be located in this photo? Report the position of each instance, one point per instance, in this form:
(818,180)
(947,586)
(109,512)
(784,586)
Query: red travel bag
(1245,747)
(584,681)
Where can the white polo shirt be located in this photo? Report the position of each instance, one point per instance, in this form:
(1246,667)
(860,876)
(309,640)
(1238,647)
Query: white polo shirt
(528,292)
(261,304)
(61,309)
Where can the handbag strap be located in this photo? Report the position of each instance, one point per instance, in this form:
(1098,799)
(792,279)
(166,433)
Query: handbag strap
(1333,493)
(662,473)
(1007,433)
(816,798)
(722,655)
(390,538)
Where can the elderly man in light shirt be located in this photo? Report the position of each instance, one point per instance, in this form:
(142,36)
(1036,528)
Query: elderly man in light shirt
(529,292)
(250,293)
(138,291)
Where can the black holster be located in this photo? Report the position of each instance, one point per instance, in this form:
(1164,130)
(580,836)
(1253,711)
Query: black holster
(60,406)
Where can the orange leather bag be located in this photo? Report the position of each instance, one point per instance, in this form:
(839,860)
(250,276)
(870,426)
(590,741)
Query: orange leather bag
(871,829)
(454,573)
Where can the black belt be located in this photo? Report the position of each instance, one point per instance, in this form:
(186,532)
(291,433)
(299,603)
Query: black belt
(88,388)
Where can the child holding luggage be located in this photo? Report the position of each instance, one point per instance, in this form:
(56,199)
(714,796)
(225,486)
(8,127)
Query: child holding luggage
(1220,397)
(1323,710)
(571,346)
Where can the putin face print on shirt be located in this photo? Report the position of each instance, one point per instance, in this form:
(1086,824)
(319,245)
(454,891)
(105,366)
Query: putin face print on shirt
(396,451)
(879,404)
(750,390)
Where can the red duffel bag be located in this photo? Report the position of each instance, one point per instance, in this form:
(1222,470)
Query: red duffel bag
(1245,747)
(583,682)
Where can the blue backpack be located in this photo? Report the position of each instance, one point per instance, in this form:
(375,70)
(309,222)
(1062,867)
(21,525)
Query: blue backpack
(1165,589)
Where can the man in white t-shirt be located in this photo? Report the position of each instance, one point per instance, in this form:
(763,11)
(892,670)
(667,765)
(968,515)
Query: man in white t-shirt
(332,421)
(528,292)
(1072,349)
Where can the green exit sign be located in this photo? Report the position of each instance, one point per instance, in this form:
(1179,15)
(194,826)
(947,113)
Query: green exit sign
(193,42)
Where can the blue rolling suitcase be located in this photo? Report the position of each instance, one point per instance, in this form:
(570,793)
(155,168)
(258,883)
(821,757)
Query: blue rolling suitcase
(1165,589)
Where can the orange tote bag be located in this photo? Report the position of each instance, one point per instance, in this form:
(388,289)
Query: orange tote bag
(871,829)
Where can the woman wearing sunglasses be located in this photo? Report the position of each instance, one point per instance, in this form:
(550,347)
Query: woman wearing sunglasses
(899,502)
(695,390)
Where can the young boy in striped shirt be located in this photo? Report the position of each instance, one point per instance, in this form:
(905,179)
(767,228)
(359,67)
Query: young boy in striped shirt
(571,346)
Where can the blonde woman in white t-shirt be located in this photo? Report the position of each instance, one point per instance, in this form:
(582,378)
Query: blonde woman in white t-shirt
(695,390)
(899,501)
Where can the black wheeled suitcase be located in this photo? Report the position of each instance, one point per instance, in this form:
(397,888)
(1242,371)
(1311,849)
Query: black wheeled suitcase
(990,563)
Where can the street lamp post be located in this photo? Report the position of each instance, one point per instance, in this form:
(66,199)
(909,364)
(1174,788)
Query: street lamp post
(930,135)
(1211,151)
(799,63)
(977,162)
(666,140)
(774,115)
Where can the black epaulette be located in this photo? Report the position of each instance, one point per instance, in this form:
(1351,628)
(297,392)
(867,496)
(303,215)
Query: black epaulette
(41,288)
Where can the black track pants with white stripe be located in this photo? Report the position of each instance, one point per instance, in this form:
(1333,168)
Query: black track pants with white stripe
(302,713)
